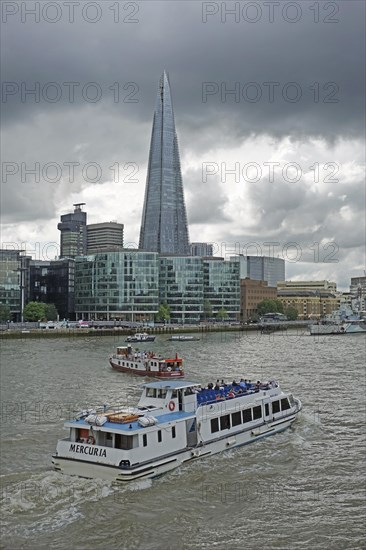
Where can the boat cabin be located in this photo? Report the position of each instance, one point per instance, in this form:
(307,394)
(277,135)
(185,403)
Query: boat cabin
(174,395)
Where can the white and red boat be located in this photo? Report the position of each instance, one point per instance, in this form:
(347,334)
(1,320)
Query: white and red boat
(146,363)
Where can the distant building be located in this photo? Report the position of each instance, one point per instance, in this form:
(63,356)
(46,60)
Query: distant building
(101,236)
(358,292)
(252,292)
(261,268)
(73,233)
(201,249)
(52,282)
(14,282)
(310,304)
(164,227)
(326,286)
(222,287)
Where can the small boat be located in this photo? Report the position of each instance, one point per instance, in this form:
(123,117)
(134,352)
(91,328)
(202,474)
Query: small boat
(144,363)
(141,337)
(182,338)
(174,423)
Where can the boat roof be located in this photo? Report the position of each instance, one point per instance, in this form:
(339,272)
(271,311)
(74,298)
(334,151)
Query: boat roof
(167,384)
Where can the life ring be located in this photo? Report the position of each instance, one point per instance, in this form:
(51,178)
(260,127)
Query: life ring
(91,440)
(171,406)
(169,369)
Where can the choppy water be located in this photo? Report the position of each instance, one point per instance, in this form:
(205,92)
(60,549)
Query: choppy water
(304,488)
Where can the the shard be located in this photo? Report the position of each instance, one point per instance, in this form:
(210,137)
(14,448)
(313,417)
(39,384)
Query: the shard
(164,220)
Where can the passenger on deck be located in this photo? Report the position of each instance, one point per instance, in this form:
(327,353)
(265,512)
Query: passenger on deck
(243,384)
(217,386)
(231,393)
(210,386)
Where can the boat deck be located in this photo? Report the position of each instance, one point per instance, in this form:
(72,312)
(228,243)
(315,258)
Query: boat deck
(209,396)
(130,427)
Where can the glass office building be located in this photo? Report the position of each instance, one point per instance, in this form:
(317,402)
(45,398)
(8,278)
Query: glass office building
(164,226)
(261,268)
(222,286)
(117,285)
(14,282)
(181,287)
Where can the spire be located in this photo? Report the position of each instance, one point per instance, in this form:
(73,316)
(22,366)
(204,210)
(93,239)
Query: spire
(164,220)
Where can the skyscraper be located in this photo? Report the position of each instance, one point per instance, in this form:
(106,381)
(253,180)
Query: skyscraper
(164,220)
(73,233)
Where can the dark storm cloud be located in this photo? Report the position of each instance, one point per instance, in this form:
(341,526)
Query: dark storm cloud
(172,35)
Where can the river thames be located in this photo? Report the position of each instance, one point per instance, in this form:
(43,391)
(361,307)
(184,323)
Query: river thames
(303,488)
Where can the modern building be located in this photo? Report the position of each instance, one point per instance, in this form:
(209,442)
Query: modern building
(102,236)
(117,285)
(164,227)
(14,282)
(252,292)
(73,233)
(52,282)
(261,268)
(222,287)
(201,249)
(358,293)
(181,287)
(321,286)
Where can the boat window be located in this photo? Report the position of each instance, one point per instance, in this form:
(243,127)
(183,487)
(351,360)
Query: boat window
(174,394)
(247,415)
(159,436)
(275,407)
(285,404)
(188,391)
(236,418)
(266,409)
(257,412)
(214,425)
(173,431)
(150,392)
(225,422)
(161,394)
(123,442)
(144,440)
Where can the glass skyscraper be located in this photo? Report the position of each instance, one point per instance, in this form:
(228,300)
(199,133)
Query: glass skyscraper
(164,221)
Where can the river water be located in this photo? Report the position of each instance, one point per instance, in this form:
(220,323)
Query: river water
(303,488)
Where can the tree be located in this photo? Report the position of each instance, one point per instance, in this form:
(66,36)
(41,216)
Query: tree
(222,314)
(34,311)
(51,312)
(269,306)
(4,312)
(207,309)
(291,313)
(164,313)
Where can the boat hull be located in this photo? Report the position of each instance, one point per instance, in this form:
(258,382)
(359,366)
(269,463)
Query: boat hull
(165,464)
(142,372)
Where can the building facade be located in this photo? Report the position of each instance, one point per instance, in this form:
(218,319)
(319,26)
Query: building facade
(201,249)
(222,287)
(309,304)
(102,236)
(73,233)
(14,282)
(252,292)
(358,293)
(164,227)
(117,285)
(53,282)
(261,268)
(313,286)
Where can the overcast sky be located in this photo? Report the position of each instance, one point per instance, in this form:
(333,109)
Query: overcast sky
(291,132)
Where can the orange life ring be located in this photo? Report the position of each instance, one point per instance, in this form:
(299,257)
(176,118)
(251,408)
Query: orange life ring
(171,406)
(91,440)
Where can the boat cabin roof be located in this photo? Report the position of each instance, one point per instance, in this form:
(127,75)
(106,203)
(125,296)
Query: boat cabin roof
(167,384)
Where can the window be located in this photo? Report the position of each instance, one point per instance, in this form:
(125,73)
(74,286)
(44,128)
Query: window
(285,404)
(236,418)
(257,412)
(161,394)
(144,440)
(173,432)
(266,409)
(214,425)
(150,392)
(247,415)
(225,422)
(159,436)
(123,442)
(275,407)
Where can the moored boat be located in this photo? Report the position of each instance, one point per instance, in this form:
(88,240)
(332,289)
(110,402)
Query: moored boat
(342,321)
(183,338)
(146,363)
(141,337)
(173,423)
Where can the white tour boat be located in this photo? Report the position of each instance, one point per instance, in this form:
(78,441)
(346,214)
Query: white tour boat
(146,363)
(141,337)
(174,423)
(183,338)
